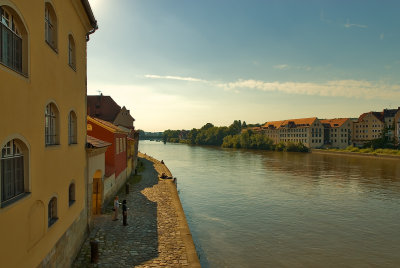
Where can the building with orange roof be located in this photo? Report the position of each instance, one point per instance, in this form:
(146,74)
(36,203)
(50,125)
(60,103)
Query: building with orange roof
(106,109)
(115,174)
(308,131)
(368,127)
(338,132)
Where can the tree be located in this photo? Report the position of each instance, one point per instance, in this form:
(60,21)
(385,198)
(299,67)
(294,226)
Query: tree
(207,126)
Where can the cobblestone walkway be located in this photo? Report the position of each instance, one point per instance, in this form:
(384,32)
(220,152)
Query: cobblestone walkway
(152,237)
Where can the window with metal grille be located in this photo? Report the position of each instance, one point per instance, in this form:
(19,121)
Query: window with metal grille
(51,123)
(50,26)
(72,131)
(12,171)
(10,41)
(52,211)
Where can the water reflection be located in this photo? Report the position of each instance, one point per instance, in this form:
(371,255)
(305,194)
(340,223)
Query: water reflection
(350,171)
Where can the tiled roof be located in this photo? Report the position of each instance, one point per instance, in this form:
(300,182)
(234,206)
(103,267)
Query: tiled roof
(107,124)
(102,107)
(378,115)
(297,122)
(336,122)
(390,112)
(273,124)
(96,143)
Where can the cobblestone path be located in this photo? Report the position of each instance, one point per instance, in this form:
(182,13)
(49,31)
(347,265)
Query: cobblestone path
(152,237)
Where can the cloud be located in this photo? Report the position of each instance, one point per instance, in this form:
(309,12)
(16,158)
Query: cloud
(282,67)
(382,36)
(287,67)
(190,79)
(339,88)
(349,25)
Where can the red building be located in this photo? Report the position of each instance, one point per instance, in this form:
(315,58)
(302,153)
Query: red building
(116,154)
(106,109)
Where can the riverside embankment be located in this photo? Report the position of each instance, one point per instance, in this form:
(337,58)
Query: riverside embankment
(371,155)
(157,234)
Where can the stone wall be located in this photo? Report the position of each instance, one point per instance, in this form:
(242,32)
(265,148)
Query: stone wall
(68,246)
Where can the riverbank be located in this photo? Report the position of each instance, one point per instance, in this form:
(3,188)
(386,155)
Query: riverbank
(184,231)
(370,155)
(157,234)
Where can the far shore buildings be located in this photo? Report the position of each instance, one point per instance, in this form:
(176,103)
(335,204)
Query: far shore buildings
(397,126)
(368,127)
(338,132)
(43,48)
(335,133)
(309,131)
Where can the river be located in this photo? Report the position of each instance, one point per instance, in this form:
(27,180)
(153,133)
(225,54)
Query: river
(250,208)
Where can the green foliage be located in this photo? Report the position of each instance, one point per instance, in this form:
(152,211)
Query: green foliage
(234,136)
(280,147)
(296,147)
(352,149)
(235,127)
(369,150)
(170,135)
(250,140)
(150,135)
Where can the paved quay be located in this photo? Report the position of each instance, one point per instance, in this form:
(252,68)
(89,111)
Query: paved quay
(157,234)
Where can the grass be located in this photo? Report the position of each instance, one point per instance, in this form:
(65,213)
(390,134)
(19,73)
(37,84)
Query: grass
(353,149)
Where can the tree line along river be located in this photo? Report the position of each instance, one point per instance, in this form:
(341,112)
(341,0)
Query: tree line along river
(272,209)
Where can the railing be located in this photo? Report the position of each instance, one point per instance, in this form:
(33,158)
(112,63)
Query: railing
(10,48)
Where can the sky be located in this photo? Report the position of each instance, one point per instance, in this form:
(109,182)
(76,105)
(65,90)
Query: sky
(179,64)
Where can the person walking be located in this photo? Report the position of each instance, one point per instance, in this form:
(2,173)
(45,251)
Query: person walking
(116,207)
(124,213)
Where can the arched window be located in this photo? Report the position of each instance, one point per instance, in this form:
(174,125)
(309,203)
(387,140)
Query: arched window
(52,211)
(71,52)
(72,131)
(50,26)
(51,125)
(12,166)
(13,40)
(71,194)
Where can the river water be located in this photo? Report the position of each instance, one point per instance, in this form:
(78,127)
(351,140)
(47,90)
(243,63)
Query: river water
(270,209)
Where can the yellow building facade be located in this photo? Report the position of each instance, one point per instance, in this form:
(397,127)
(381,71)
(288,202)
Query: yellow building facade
(308,131)
(338,132)
(43,133)
(368,127)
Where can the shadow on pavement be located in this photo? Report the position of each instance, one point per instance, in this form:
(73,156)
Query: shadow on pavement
(126,246)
